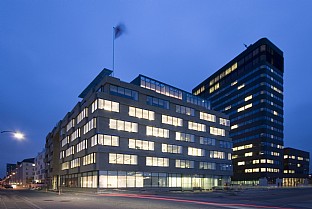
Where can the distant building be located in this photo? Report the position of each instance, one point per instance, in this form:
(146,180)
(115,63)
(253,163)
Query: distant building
(250,90)
(10,168)
(24,173)
(296,167)
(40,172)
(142,134)
(52,157)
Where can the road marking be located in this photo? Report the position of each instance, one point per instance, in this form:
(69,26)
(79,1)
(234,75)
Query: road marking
(226,205)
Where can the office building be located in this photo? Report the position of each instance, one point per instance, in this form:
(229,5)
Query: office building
(296,167)
(250,90)
(143,134)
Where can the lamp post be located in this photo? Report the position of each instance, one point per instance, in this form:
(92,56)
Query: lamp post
(16,134)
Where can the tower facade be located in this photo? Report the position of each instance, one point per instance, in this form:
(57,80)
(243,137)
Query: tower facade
(250,90)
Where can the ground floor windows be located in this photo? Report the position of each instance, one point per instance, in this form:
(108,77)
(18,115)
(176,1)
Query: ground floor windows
(132,179)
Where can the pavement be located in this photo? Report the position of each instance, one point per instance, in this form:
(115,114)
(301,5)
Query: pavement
(275,198)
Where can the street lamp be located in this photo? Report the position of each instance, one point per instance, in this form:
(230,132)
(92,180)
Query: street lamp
(16,134)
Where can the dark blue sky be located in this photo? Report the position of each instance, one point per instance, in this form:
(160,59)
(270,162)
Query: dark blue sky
(51,50)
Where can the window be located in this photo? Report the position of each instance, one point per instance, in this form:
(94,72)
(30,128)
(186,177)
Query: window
(207,141)
(65,166)
(224,122)
(217,131)
(217,154)
(123,125)
(123,159)
(185,137)
(89,159)
(184,164)
(225,167)
(105,105)
(70,124)
(225,144)
(160,88)
(158,132)
(171,148)
(171,120)
(196,126)
(241,163)
(196,151)
(141,144)
(185,110)
(124,92)
(207,166)
(75,163)
(83,114)
(248,154)
(207,117)
(70,151)
(89,126)
(75,135)
(65,141)
(157,161)
(81,146)
(141,113)
(157,102)
(106,140)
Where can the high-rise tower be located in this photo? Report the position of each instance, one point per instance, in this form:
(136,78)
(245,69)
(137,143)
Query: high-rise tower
(250,90)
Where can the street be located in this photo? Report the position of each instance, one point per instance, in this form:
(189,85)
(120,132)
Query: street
(252,198)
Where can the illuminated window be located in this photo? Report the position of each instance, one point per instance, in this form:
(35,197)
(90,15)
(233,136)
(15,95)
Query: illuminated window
(248,98)
(248,154)
(70,124)
(185,137)
(89,159)
(89,126)
(217,154)
(233,83)
(234,126)
(106,140)
(241,86)
(196,126)
(157,161)
(207,117)
(81,146)
(123,125)
(196,151)
(75,135)
(184,164)
(255,162)
(70,151)
(172,120)
(83,114)
(108,105)
(75,163)
(141,113)
(141,144)
(158,132)
(65,166)
(123,159)
(241,163)
(217,131)
(171,148)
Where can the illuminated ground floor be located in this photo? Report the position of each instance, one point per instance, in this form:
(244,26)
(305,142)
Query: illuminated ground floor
(123,179)
(294,181)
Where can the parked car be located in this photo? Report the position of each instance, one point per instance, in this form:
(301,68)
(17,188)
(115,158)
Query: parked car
(8,186)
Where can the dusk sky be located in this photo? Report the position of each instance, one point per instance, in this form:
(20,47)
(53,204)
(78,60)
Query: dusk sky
(51,50)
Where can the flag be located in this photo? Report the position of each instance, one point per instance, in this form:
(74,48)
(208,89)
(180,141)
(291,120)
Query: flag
(119,30)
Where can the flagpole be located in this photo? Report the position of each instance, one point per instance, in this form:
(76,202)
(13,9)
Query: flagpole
(113,51)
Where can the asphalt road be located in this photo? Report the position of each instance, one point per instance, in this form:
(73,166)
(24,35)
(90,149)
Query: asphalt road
(252,198)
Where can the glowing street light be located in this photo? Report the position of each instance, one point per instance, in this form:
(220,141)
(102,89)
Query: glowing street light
(16,134)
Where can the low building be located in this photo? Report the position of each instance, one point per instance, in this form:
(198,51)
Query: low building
(296,167)
(40,172)
(143,134)
(24,173)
